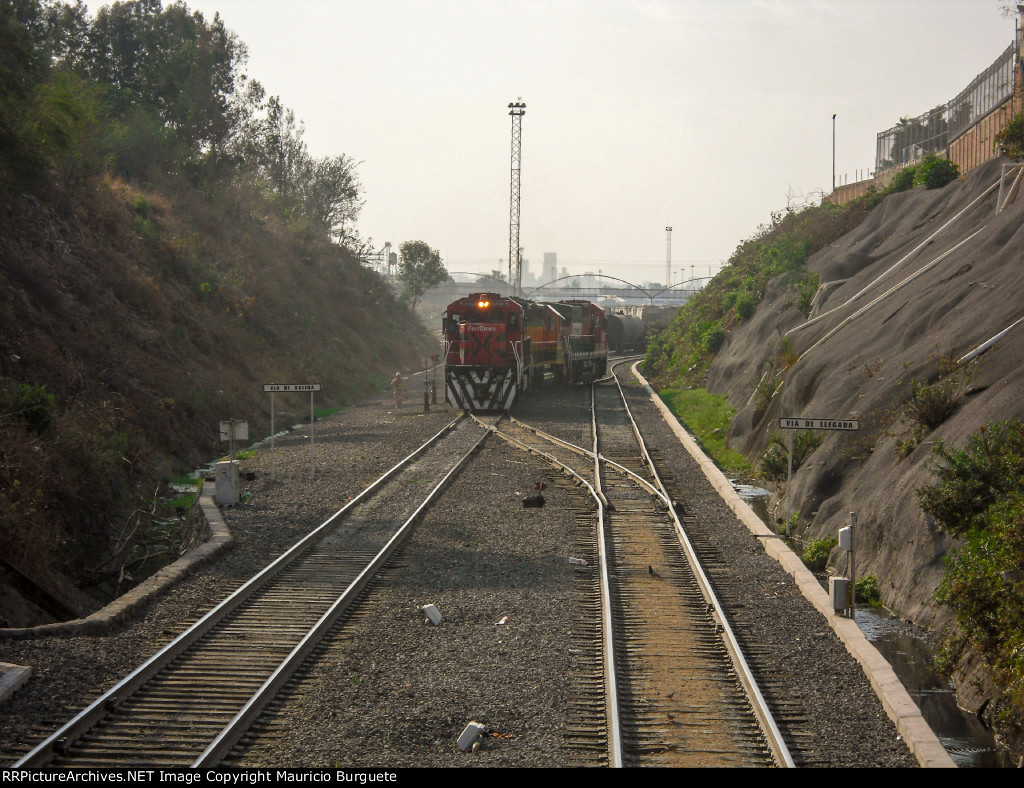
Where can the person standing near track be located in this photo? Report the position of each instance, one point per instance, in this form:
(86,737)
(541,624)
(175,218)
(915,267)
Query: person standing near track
(398,384)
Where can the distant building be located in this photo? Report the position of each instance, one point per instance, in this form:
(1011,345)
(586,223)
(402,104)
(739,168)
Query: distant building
(550,271)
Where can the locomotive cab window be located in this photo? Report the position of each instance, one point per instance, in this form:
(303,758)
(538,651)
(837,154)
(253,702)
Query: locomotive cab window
(453,322)
(513,322)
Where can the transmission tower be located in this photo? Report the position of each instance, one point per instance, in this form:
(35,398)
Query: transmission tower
(668,257)
(516,109)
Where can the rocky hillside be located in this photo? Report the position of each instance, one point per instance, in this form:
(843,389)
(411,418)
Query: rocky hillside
(859,356)
(132,321)
(924,279)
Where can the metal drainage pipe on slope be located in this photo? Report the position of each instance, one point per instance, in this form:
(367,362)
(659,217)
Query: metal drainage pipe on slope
(895,265)
(890,291)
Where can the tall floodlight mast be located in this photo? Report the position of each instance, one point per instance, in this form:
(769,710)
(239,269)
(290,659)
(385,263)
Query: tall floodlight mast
(515,258)
(668,257)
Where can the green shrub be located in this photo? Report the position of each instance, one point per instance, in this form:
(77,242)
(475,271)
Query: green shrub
(931,402)
(764,390)
(1011,138)
(817,552)
(902,181)
(714,339)
(868,590)
(34,404)
(806,288)
(990,469)
(774,464)
(746,303)
(934,173)
(979,497)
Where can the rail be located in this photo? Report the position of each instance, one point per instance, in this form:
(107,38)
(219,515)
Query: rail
(611,683)
(777,745)
(58,742)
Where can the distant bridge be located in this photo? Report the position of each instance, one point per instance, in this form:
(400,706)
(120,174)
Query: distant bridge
(558,289)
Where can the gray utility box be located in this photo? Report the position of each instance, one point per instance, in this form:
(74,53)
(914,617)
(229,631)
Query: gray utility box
(225,474)
(839,592)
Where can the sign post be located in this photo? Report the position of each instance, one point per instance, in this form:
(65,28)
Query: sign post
(800,423)
(234,430)
(275,388)
(426,385)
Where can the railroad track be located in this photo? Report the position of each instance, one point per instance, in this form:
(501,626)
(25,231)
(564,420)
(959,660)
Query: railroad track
(189,704)
(676,688)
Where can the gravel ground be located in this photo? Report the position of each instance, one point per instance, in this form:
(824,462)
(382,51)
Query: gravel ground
(359,443)
(392,690)
(799,660)
(794,647)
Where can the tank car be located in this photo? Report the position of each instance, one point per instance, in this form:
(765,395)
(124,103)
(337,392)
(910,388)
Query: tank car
(626,333)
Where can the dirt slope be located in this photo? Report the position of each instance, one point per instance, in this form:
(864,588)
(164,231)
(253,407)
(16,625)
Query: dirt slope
(150,314)
(866,367)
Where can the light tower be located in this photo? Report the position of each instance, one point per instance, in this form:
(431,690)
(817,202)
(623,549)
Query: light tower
(668,257)
(516,109)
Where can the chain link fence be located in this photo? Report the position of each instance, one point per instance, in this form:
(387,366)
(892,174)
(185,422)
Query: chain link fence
(932,132)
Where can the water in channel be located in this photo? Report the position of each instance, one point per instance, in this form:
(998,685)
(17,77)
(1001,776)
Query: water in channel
(968,743)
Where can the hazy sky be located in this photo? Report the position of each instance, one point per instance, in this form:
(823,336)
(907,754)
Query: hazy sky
(705,115)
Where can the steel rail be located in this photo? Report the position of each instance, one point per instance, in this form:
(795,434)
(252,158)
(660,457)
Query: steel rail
(612,701)
(587,453)
(775,740)
(611,682)
(234,730)
(57,742)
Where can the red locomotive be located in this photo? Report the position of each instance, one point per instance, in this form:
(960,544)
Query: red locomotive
(497,348)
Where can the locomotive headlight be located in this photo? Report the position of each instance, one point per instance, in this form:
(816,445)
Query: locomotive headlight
(483,304)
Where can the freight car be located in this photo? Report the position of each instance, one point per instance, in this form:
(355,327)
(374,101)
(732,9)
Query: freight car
(628,332)
(497,348)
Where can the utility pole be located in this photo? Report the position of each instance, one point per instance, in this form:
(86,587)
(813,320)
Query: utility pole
(834,152)
(516,109)
(668,257)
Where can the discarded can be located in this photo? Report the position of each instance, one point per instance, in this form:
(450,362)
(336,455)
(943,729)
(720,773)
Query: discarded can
(470,735)
(504,620)
(578,561)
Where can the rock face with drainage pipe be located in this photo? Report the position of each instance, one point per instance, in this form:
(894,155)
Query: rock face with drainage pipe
(926,279)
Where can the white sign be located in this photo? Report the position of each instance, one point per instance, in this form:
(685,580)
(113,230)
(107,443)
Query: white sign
(819,424)
(234,431)
(284,387)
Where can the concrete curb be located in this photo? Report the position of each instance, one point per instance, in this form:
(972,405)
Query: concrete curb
(896,701)
(127,605)
(11,678)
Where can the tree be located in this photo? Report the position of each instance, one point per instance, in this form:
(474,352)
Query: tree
(419,269)
(167,61)
(330,196)
(20,72)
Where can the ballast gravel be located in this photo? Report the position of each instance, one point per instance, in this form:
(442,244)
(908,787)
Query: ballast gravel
(803,667)
(391,689)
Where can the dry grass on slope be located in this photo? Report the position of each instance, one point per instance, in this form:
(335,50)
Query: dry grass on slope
(150,316)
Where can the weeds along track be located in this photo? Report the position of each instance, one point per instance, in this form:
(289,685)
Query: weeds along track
(190,703)
(659,682)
